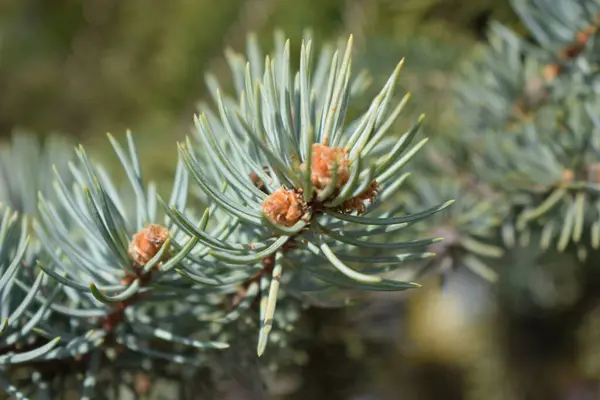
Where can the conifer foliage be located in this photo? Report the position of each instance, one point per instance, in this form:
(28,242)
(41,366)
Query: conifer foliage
(532,126)
(276,196)
(528,142)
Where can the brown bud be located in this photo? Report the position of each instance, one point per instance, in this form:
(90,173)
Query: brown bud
(284,207)
(551,71)
(584,36)
(147,242)
(567,175)
(322,163)
(142,383)
(572,51)
(581,40)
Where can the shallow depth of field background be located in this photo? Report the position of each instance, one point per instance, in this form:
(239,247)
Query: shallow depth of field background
(84,68)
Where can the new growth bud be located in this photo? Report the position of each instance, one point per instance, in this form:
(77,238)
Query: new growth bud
(147,242)
(284,207)
(322,166)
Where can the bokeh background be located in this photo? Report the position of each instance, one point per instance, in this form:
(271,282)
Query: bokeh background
(84,68)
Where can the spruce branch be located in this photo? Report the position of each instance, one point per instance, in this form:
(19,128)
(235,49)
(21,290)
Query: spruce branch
(112,268)
(281,160)
(543,160)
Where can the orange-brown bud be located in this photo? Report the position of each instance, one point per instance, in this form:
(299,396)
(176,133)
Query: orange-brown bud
(568,175)
(147,242)
(142,383)
(551,71)
(323,160)
(284,207)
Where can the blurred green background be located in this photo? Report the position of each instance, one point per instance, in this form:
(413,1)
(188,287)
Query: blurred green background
(84,68)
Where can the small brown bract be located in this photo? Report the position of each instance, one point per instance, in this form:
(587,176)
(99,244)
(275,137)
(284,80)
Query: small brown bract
(256,181)
(323,160)
(284,207)
(593,173)
(147,242)
(358,203)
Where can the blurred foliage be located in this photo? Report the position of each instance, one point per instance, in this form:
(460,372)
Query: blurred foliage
(85,68)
